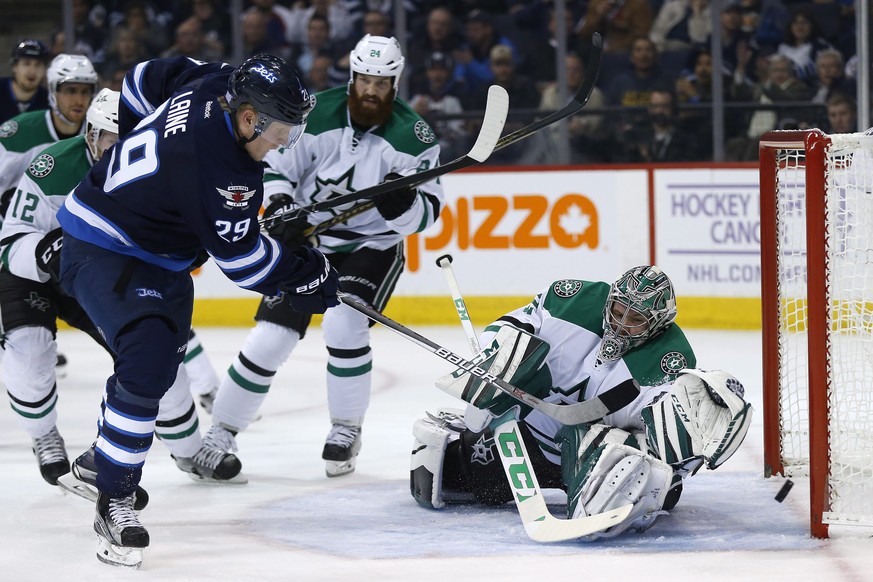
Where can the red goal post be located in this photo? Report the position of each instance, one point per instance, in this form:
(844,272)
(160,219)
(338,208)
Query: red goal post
(817,318)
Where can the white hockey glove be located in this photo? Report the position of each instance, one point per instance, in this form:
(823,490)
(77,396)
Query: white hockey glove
(604,468)
(432,435)
(514,356)
(702,416)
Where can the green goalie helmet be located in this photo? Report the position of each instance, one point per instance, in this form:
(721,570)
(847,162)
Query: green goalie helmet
(641,304)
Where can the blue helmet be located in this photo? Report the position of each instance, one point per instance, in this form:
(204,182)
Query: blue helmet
(273,87)
(30,48)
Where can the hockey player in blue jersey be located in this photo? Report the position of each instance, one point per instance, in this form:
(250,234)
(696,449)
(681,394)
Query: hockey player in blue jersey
(187,179)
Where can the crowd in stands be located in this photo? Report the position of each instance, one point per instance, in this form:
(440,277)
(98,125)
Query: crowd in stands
(786,63)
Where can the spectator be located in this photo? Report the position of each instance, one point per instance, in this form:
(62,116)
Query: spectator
(25,89)
(661,139)
(440,34)
(737,46)
(256,36)
(317,43)
(763,21)
(190,42)
(781,86)
(842,114)
(523,95)
(541,54)
(681,24)
(319,78)
(376,23)
(89,35)
(618,21)
(214,22)
(831,76)
(341,31)
(587,132)
(439,96)
(631,88)
(474,66)
(281,24)
(150,34)
(124,53)
(802,44)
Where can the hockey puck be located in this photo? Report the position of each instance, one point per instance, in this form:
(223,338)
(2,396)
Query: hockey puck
(786,488)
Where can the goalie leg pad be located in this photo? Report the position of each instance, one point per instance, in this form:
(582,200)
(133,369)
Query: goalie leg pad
(433,435)
(613,475)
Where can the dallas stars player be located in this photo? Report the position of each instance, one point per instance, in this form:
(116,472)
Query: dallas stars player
(29,294)
(356,137)
(618,342)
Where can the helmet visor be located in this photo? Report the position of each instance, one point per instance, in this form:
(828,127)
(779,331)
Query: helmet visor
(279,133)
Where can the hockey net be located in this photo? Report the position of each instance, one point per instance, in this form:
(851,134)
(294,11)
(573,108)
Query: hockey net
(817,307)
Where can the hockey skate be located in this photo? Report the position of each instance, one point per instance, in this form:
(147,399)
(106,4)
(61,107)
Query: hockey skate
(120,535)
(341,449)
(213,462)
(51,456)
(207,401)
(82,481)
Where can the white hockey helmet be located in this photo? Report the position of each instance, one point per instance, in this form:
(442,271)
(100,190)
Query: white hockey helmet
(66,68)
(378,56)
(102,116)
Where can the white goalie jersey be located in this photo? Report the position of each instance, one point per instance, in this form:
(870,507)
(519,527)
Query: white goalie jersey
(334,158)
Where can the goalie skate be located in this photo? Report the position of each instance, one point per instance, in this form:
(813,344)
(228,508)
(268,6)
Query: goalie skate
(82,481)
(120,535)
(341,449)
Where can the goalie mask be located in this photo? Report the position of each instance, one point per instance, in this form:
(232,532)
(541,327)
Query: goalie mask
(378,56)
(101,122)
(641,304)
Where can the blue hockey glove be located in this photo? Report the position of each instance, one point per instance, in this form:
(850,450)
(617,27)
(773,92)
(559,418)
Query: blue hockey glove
(393,204)
(314,286)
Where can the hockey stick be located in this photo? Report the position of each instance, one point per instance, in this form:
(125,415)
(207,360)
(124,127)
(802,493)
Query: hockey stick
(539,523)
(587,411)
(414,180)
(496,108)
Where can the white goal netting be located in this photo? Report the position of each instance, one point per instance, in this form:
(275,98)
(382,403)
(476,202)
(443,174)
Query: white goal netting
(848,227)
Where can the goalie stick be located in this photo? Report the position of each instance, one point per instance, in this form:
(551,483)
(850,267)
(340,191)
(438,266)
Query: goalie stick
(576,104)
(539,523)
(496,108)
(587,411)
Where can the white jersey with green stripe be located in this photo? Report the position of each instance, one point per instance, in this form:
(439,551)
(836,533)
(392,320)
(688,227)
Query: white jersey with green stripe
(334,157)
(569,316)
(21,138)
(33,209)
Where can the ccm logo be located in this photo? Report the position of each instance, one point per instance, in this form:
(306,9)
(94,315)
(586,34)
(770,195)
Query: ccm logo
(520,221)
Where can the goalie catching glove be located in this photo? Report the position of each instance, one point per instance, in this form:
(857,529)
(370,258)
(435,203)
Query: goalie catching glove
(702,417)
(514,356)
(605,468)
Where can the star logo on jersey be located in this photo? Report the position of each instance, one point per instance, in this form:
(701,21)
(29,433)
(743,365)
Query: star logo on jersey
(335,187)
(672,362)
(41,166)
(37,302)
(482,451)
(567,288)
(236,197)
(423,132)
(8,129)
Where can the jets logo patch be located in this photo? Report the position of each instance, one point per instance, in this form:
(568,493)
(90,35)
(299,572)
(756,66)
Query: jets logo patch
(423,132)
(9,128)
(236,197)
(672,362)
(41,166)
(567,288)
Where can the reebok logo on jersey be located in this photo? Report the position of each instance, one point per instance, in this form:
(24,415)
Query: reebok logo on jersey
(236,196)
(41,166)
